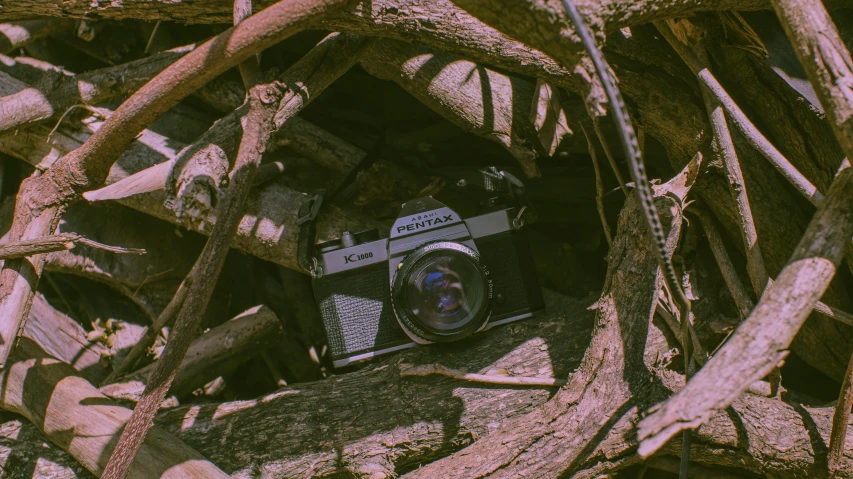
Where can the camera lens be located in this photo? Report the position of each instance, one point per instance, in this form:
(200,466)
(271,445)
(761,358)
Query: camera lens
(442,293)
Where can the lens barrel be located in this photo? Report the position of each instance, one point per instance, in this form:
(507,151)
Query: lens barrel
(442,293)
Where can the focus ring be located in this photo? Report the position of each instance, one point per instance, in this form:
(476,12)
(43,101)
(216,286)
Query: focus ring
(415,327)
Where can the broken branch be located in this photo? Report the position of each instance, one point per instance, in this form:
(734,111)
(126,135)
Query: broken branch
(57,242)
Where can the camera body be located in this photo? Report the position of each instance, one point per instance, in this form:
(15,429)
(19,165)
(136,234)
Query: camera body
(438,277)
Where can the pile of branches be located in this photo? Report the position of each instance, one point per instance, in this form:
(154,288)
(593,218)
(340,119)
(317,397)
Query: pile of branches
(155,322)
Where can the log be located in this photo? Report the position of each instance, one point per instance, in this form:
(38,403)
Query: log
(477,99)
(18,34)
(64,339)
(268,230)
(213,354)
(82,421)
(374,421)
(58,90)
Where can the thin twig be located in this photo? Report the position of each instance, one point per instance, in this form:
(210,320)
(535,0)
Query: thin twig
(427,369)
(599,190)
(609,155)
(57,242)
(750,132)
(665,312)
(737,290)
(166,317)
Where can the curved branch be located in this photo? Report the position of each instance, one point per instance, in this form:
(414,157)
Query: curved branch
(762,340)
(40,199)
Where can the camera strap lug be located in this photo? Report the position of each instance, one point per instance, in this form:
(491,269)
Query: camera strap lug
(493,180)
(306,219)
(309,208)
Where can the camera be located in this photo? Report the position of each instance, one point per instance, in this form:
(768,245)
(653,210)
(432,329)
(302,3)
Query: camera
(437,278)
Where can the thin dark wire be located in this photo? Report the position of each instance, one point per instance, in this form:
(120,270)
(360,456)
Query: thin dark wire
(631,149)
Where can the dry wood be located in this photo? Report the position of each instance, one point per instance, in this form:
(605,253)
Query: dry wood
(408,370)
(64,339)
(257,128)
(761,342)
(41,199)
(200,168)
(829,67)
(59,90)
(18,34)
(220,11)
(375,422)
(165,318)
(268,230)
(752,134)
(827,62)
(268,105)
(214,353)
(727,268)
(477,99)
(599,203)
(82,421)
(57,242)
(725,149)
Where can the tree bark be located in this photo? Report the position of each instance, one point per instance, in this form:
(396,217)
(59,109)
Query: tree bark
(761,342)
(85,423)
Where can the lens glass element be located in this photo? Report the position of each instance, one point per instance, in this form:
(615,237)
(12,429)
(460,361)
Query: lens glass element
(445,291)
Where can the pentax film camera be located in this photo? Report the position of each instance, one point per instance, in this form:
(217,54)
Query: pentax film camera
(438,277)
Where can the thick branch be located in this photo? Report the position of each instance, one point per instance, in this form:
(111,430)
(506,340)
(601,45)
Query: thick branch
(40,198)
(479,100)
(761,342)
(18,34)
(199,170)
(215,353)
(58,90)
(826,60)
(829,68)
(82,421)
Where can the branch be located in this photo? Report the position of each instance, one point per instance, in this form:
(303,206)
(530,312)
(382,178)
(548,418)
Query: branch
(41,199)
(829,68)
(84,422)
(269,105)
(199,170)
(18,34)
(57,242)
(64,339)
(752,134)
(479,100)
(149,334)
(761,341)
(273,238)
(213,354)
(59,90)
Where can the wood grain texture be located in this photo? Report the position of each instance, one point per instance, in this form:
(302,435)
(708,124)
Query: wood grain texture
(82,421)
